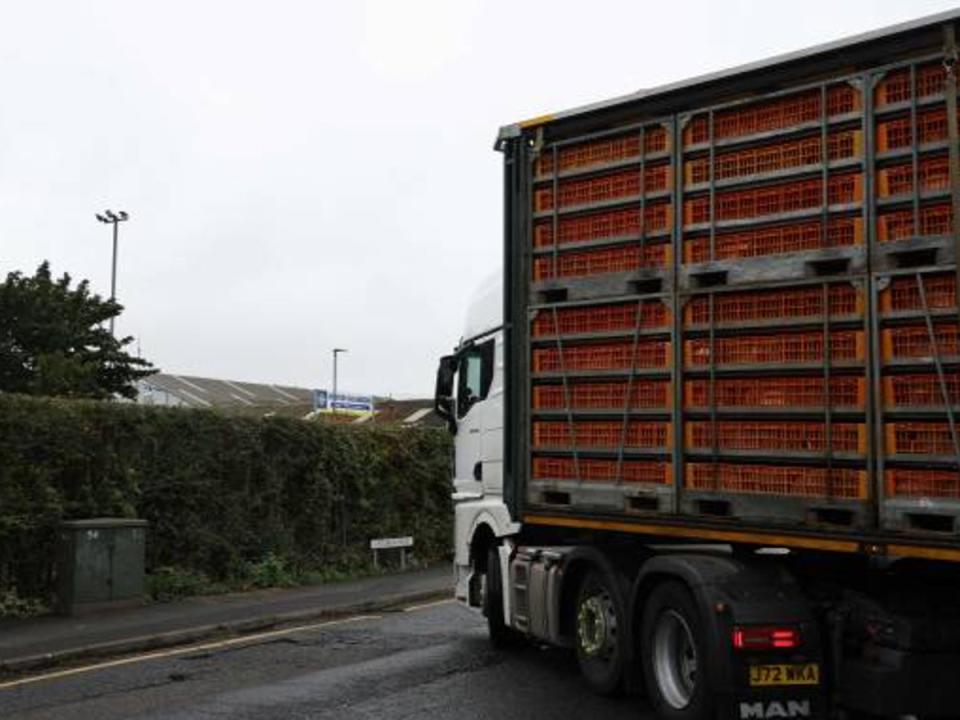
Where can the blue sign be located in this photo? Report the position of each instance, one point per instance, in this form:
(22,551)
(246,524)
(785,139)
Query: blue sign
(325,401)
(353,403)
(319,399)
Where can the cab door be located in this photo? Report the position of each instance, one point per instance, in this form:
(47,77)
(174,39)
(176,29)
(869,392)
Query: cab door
(474,377)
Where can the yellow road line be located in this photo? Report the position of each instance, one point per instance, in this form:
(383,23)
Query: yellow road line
(182,651)
(412,608)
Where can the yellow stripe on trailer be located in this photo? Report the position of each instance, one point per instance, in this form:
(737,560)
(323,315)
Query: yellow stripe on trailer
(925,553)
(699,533)
(539,120)
(901,549)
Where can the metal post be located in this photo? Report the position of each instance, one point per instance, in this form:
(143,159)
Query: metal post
(111,218)
(333,400)
(113,273)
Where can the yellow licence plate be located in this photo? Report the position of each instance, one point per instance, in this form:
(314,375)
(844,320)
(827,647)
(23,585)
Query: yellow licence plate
(765,675)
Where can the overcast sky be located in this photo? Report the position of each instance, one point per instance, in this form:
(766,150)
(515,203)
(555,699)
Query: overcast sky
(304,175)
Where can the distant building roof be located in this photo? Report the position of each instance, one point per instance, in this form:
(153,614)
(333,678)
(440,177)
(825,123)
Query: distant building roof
(200,392)
(417,412)
(261,399)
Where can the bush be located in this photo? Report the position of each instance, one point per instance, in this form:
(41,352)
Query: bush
(272,571)
(227,498)
(169,583)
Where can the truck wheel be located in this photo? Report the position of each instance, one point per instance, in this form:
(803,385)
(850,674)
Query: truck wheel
(501,636)
(675,663)
(599,634)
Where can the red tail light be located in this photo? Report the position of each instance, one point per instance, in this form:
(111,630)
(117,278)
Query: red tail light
(765,638)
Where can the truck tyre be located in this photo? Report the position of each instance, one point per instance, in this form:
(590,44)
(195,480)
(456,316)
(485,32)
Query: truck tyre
(676,666)
(501,636)
(599,633)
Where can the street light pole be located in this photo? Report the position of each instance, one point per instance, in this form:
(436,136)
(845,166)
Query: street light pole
(333,401)
(111,218)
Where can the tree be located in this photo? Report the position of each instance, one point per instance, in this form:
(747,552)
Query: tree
(54,340)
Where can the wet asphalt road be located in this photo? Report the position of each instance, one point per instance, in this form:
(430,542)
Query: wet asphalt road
(430,662)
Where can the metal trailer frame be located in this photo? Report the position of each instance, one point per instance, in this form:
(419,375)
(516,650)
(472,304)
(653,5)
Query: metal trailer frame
(868,527)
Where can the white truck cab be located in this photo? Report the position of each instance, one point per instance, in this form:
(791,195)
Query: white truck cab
(470,388)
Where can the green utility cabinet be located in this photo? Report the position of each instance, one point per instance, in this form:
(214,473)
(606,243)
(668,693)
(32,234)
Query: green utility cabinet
(100,564)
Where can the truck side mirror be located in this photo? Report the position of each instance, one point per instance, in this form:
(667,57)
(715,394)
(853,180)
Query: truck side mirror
(443,403)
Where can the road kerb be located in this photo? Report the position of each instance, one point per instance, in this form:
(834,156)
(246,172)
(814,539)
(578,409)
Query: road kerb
(186,636)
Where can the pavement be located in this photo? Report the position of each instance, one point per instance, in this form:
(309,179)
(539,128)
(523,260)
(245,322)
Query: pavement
(35,644)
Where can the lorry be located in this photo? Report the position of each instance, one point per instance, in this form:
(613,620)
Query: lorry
(706,417)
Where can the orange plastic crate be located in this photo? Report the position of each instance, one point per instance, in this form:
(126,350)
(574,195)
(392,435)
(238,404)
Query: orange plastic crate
(759,242)
(631,471)
(601,318)
(913,342)
(697,131)
(604,260)
(644,395)
(614,186)
(898,224)
(771,158)
(602,434)
(894,134)
(777,480)
(775,199)
(765,305)
(932,173)
(775,436)
(895,87)
(845,392)
(903,294)
(920,390)
(919,438)
(603,151)
(607,356)
(605,225)
(696,211)
(903,482)
(591,154)
(770,115)
(780,349)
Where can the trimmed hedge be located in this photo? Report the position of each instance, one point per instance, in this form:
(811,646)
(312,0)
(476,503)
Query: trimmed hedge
(219,492)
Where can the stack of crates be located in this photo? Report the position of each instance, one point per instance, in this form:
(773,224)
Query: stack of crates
(775,401)
(919,400)
(918,349)
(749,310)
(602,207)
(602,398)
(912,192)
(775,341)
(602,329)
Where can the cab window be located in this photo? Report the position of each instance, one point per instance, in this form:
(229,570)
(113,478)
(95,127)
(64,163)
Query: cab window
(475,375)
